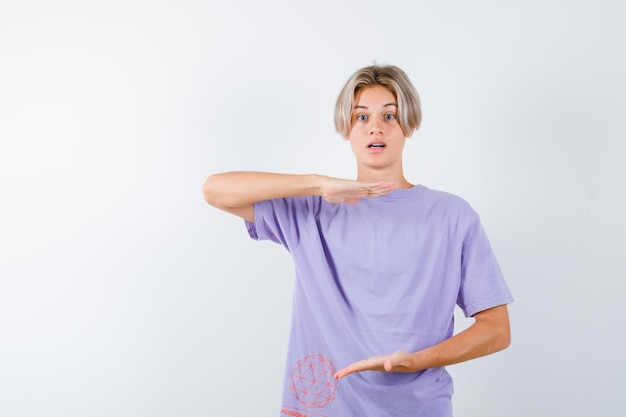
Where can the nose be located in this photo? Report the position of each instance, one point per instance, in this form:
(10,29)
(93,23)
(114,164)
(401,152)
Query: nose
(375,128)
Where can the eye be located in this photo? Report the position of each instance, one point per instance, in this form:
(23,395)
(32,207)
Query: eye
(361,117)
(390,116)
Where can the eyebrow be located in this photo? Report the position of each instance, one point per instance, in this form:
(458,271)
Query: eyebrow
(385,105)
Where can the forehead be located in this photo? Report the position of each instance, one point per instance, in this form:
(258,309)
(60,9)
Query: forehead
(374,96)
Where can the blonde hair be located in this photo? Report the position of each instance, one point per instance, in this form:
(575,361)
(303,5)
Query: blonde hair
(393,79)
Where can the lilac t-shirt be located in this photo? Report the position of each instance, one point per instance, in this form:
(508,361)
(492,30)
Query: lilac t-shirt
(372,278)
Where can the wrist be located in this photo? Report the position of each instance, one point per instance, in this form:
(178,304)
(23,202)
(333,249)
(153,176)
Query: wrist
(417,362)
(318,182)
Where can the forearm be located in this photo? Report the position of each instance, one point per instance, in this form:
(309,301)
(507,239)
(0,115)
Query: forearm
(489,334)
(231,190)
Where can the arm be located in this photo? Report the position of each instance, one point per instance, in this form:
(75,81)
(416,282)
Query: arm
(490,333)
(236,192)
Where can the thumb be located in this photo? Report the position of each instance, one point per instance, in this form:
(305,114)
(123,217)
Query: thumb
(387,364)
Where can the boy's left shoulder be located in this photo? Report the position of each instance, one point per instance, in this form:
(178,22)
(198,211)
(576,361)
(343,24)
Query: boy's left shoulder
(448,198)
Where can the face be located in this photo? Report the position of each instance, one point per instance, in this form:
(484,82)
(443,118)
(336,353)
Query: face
(375,135)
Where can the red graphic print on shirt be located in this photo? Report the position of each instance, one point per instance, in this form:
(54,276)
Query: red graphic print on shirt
(312,381)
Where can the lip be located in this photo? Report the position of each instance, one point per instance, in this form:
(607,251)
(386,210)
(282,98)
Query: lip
(378,148)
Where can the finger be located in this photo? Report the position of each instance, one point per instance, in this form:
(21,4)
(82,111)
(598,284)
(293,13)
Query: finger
(372,364)
(342,373)
(352,368)
(380,185)
(382,188)
(378,193)
(398,362)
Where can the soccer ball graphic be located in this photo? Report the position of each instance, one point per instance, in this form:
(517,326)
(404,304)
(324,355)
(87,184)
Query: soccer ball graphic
(312,381)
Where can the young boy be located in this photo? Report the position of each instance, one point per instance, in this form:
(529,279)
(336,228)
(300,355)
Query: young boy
(380,265)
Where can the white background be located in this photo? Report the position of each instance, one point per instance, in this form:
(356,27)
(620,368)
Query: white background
(123,294)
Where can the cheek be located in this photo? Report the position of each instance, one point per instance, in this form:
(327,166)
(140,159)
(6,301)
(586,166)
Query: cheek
(357,131)
(353,143)
(352,135)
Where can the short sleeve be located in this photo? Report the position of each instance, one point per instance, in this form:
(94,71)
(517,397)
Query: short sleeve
(280,220)
(482,283)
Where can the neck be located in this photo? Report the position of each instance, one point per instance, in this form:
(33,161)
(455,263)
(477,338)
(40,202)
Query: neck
(383,175)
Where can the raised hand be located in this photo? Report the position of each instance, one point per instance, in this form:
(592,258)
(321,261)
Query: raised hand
(399,361)
(335,190)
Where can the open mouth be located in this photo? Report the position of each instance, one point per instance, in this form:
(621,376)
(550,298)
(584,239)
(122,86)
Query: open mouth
(376,145)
